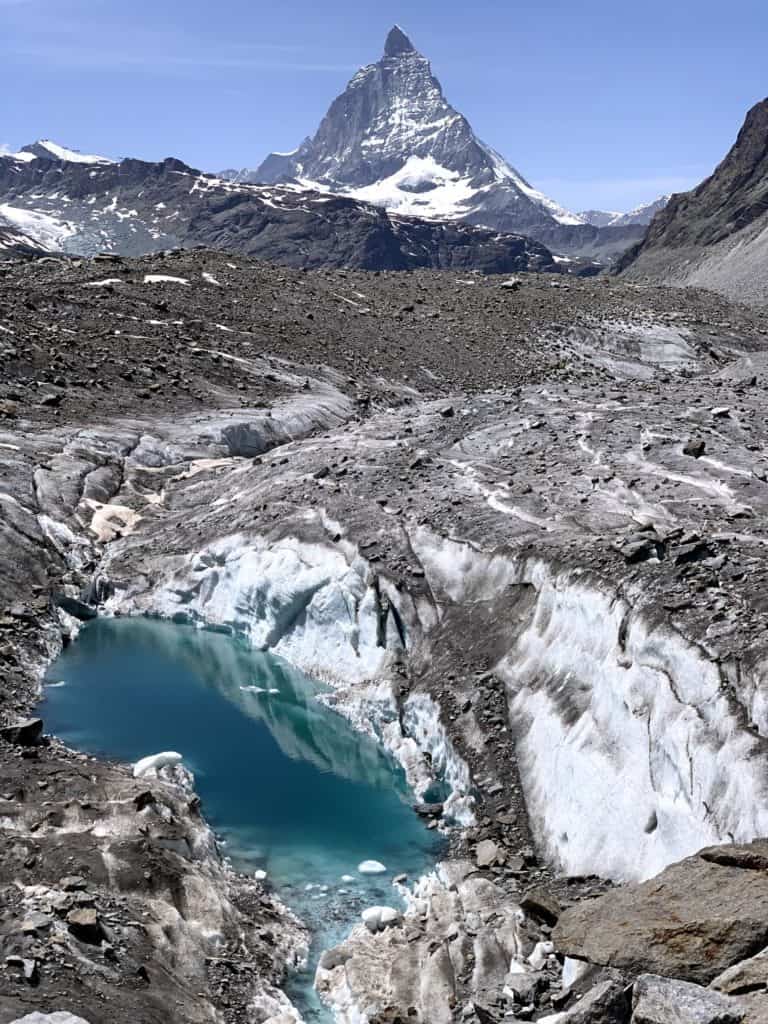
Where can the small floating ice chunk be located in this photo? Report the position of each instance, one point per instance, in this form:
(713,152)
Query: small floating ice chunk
(150,765)
(371,867)
(347,878)
(55,685)
(260,875)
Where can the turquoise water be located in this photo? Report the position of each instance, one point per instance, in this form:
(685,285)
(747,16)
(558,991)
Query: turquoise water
(287,784)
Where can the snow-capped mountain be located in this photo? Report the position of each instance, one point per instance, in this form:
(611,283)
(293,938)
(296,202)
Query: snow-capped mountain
(56,199)
(45,149)
(391,138)
(643,214)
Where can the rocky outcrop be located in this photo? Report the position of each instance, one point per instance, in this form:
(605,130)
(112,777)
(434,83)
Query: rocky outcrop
(658,1000)
(717,235)
(692,922)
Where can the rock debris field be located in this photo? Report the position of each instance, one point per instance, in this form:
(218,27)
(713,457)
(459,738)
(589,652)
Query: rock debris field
(519,525)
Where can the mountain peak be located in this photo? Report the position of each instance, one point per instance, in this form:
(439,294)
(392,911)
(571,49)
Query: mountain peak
(46,149)
(398,43)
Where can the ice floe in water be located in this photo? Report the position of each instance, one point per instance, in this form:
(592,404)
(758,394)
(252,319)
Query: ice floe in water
(149,766)
(371,867)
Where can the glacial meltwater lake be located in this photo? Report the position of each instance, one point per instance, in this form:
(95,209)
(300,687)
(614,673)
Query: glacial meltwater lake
(288,785)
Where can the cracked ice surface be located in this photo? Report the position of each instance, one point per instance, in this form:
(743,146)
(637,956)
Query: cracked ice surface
(631,753)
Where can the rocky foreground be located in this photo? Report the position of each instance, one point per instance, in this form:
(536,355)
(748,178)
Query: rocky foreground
(519,525)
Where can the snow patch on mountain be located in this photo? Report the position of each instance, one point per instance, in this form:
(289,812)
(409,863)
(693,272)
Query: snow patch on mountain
(47,231)
(642,214)
(46,149)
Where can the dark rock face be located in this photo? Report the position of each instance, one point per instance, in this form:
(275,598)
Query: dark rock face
(691,922)
(606,1003)
(397,43)
(716,234)
(133,207)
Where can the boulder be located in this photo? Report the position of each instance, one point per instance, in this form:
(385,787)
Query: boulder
(691,922)
(658,1000)
(74,607)
(607,1003)
(542,905)
(748,976)
(26,733)
(695,447)
(486,853)
(425,810)
(85,925)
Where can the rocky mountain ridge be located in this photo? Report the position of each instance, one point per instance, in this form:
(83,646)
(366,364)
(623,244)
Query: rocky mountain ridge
(716,236)
(55,199)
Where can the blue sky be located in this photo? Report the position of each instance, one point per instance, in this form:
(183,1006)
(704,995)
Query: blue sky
(599,103)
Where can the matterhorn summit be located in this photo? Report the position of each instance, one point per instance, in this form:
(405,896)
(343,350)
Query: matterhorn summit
(392,139)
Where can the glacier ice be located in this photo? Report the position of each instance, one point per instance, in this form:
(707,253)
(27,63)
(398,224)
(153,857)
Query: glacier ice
(149,766)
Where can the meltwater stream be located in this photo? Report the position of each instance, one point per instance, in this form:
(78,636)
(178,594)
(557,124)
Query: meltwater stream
(289,785)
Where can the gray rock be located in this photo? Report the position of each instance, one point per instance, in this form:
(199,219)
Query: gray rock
(486,853)
(27,966)
(695,448)
(541,904)
(658,1000)
(522,988)
(72,606)
(692,921)
(26,733)
(748,976)
(607,1003)
(85,925)
(36,922)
